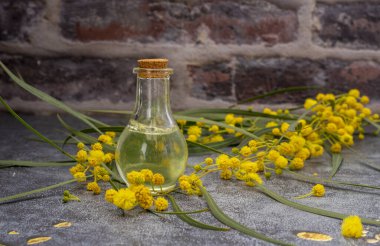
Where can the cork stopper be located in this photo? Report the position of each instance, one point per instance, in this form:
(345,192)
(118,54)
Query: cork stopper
(153,68)
(158,63)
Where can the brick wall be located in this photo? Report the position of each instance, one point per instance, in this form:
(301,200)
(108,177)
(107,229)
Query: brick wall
(83,52)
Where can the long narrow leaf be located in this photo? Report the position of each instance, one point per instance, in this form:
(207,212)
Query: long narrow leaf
(23,194)
(377,126)
(370,166)
(309,209)
(110,111)
(114,175)
(10,163)
(51,100)
(206,147)
(222,217)
(336,162)
(231,111)
(308,178)
(257,133)
(84,136)
(183,212)
(187,219)
(276,92)
(225,143)
(29,127)
(90,130)
(211,122)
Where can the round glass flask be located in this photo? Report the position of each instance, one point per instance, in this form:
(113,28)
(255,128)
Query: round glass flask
(152,139)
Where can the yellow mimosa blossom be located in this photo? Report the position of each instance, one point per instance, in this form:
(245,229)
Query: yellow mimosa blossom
(125,199)
(352,227)
(161,204)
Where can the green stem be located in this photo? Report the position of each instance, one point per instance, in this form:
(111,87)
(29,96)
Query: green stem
(328,181)
(304,196)
(184,212)
(187,219)
(313,210)
(8,198)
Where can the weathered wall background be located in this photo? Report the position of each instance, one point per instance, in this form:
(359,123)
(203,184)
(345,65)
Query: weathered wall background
(83,51)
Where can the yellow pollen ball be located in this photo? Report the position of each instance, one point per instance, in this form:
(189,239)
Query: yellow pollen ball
(352,227)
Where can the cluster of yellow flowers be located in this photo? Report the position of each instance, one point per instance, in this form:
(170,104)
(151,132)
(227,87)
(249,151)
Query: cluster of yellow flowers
(213,132)
(137,194)
(337,118)
(190,184)
(90,161)
(331,120)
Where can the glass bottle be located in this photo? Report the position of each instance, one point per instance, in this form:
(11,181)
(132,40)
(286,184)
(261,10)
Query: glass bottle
(152,139)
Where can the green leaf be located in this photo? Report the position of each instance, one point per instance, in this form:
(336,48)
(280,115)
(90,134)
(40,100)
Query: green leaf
(90,130)
(206,147)
(219,215)
(114,175)
(84,136)
(211,122)
(217,145)
(377,126)
(110,111)
(276,92)
(370,166)
(209,111)
(23,194)
(10,163)
(258,133)
(313,210)
(308,178)
(51,100)
(29,127)
(187,219)
(107,128)
(114,186)
(183,212)
(336,162)
(54,141)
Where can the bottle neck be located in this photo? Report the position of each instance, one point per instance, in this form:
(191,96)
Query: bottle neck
(153,102)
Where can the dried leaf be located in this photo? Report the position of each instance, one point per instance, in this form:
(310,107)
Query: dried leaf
(63,224)
(313,236)
(37,240)
(372,240)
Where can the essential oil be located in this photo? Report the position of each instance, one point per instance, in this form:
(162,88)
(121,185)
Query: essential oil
(152,139)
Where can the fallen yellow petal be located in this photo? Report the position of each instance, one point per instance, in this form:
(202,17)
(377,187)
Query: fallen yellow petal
(372,240)
(63,225)
(38,240)
(13,233)
(314,236)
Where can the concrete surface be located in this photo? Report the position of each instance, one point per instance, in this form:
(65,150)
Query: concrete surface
(96,222)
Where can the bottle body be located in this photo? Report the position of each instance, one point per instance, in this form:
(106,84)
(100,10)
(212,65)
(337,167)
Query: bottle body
(152,139)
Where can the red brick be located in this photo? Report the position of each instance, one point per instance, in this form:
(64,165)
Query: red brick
(256,76)
(211,81)
(363,75)
(351,25)
(229,22)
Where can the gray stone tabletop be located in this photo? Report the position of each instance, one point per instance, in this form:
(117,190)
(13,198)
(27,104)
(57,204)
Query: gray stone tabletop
(96,222)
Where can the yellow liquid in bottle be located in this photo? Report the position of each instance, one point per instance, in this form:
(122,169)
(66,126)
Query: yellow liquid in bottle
(162,150)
